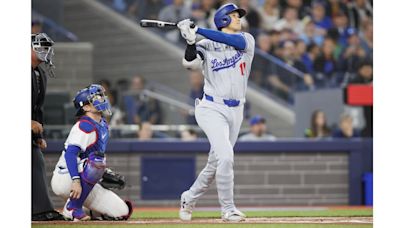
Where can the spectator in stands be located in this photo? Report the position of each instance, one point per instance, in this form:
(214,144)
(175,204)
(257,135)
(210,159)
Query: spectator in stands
(340,30)
(319,127)
(275,37)
(346,129)
(287,34)
(290,21)
(359,11)
(138,107)
(251,21)
(365,76)
(353,55)
(117,116)
(367,39)
(258,130)
(299,6)
(285,82)
(305,57)
(37,26)
(196,91)
(365,73)
(312,34)
(106,85)
(269,14)
(325,65)
(319,17)
(189,135)
(203,13)
(262,67)
(175,12)
(146,132)
(335,7)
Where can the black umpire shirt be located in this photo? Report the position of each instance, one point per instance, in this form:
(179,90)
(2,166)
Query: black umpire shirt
(39,82)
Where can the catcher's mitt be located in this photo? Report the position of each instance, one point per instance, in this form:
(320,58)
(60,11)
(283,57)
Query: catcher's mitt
(112,180)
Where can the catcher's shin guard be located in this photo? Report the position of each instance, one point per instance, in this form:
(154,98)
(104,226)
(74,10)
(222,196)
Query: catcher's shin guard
(92,173)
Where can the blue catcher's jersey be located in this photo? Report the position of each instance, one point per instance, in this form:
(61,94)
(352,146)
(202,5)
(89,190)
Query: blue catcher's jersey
(89,135)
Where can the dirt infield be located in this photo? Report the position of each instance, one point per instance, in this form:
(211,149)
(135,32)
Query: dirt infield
(275,220)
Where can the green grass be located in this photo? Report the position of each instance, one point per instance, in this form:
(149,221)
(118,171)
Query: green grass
(215,214)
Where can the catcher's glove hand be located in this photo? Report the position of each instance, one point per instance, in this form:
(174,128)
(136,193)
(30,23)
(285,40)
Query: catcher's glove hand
(112,180)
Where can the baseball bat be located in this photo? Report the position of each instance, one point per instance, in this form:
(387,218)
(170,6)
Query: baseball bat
(159,24)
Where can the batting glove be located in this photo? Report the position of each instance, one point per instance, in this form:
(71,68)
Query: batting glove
(188,30)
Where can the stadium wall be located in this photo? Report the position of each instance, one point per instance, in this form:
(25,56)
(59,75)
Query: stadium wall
(74,67)
(294,172)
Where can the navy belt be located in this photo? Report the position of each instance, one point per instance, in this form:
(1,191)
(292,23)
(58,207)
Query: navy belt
(229,103)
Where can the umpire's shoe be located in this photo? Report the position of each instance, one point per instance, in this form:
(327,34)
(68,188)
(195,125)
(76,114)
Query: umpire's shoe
(48,216)
(185,213)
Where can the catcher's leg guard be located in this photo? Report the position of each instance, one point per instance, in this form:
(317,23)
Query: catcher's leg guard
(92,173)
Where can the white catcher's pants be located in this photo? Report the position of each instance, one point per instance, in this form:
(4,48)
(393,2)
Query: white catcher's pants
(101,200)
(221,124)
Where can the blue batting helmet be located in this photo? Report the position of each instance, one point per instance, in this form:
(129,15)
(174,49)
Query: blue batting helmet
(95,95)
(221,17)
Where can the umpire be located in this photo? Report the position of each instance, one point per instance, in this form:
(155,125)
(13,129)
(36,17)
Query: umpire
(42,52)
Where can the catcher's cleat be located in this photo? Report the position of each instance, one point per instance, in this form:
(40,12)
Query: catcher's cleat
(185,213)
(67,213)
(79,215)
(233,216)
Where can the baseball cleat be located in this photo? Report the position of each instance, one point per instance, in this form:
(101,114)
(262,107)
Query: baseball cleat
(233,216)
(67,213)
(80,215)
(185,213)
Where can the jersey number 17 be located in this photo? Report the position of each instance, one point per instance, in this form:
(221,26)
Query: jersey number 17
(242,68)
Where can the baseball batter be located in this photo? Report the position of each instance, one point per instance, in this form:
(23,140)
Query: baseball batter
(82,164)
(225,57)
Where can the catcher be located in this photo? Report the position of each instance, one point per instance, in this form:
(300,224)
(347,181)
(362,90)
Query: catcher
(81,176)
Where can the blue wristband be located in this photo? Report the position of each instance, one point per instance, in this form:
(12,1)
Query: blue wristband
(235,40)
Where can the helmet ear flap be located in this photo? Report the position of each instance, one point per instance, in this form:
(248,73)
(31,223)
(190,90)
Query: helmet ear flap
(226,20)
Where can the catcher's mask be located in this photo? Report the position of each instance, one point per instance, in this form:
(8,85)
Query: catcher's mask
(95,95)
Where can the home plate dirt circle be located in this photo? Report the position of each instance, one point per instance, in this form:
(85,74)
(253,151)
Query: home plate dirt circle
(274,220)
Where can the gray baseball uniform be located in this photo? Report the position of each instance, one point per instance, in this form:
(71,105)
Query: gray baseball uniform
(220,113)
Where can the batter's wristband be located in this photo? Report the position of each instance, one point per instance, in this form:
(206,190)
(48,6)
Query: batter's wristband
(190,52)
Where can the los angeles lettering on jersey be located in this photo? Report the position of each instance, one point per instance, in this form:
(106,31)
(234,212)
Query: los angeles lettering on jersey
(227,62)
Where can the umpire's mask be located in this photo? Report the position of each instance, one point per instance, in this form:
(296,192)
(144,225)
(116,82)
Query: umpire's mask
(42,45)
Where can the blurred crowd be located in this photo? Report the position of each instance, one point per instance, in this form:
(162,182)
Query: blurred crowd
(330,42)
(130,105)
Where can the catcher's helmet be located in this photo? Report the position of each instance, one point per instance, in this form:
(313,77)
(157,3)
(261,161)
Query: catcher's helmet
(221,17)
(42,45)
(95,95)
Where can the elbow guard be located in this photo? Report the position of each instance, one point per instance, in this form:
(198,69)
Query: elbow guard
(195,64)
